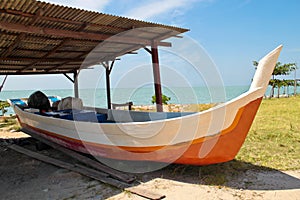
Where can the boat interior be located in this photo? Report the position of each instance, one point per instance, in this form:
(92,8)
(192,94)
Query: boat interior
(98,115)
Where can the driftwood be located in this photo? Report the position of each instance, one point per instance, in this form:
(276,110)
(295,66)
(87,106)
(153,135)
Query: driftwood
(76,168)
(92,173)
(88,161)
(105,175)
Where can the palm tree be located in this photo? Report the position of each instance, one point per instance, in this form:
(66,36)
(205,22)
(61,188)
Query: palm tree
(279,84)
(280,69)
(287,84)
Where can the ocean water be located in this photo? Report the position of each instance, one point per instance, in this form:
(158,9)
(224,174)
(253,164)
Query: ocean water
(143,96)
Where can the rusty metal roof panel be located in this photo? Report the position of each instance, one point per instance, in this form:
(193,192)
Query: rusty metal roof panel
(36,36)
(26,54)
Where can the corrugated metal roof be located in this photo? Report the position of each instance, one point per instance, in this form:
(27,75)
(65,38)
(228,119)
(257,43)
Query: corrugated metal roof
(39,37)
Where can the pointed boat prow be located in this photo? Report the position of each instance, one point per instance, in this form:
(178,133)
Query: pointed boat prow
(265,69)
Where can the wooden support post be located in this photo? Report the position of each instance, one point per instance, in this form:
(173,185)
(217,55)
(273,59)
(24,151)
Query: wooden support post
(295,83)
(1,87)
(108,67)
(107,76)
(76,90)
(156,75)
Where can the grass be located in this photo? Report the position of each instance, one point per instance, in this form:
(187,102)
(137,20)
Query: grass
(198,107)
(273,142)
(15,127)
(9,122)
(274,138)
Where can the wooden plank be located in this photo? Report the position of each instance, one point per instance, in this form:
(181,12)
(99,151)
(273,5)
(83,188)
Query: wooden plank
(92,173)
(145,193)
(40,156)
(95,174)
(112,172)
(76,168)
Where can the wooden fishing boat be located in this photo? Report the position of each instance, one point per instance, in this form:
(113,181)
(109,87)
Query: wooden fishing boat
(203,138)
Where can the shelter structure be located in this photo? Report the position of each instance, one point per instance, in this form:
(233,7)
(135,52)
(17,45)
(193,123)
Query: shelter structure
(43,38)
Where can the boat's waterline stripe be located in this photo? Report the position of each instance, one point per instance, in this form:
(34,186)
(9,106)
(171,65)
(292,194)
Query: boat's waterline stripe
(146,148)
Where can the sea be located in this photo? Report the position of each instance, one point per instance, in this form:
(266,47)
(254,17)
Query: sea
(143,96)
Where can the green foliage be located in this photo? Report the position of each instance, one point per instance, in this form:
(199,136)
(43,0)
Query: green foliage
(8,122)
(284,69)
(3,105)
(279,70)
(165,99)
(255,64)
(15,128)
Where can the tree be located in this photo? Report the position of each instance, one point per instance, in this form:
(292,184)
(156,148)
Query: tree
(3,105)
(280,69)
(165,99)
(287,84)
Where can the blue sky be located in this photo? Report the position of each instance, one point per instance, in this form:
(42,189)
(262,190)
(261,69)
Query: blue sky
(232,32)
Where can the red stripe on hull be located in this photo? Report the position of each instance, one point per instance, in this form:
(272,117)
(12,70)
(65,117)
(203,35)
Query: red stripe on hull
(220,148)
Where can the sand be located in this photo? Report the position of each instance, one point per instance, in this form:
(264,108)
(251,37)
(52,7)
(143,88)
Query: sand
(22,177)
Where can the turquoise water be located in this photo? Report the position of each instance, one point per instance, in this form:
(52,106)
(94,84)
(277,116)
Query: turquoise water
(143,96)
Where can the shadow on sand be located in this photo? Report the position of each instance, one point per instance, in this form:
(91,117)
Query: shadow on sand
(234,174)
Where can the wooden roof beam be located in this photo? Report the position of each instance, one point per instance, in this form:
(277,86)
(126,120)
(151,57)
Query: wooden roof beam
(45,51)
(11,72)
(53,69)
(13,45)
(75,34)
(98,60)
(36,17)
(164,36)
(57,51)
(84,54)
(60,65)
(38,60)
(53,19)
(54,50)
(47,54)
(82,27)
(22,35)
(125,51)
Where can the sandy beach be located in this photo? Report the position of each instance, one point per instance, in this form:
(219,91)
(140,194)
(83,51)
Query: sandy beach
(183,57)
(25,178)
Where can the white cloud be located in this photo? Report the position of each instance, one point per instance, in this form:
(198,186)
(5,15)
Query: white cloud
(157,7)
(294,50)
(93,5)
(245,2)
